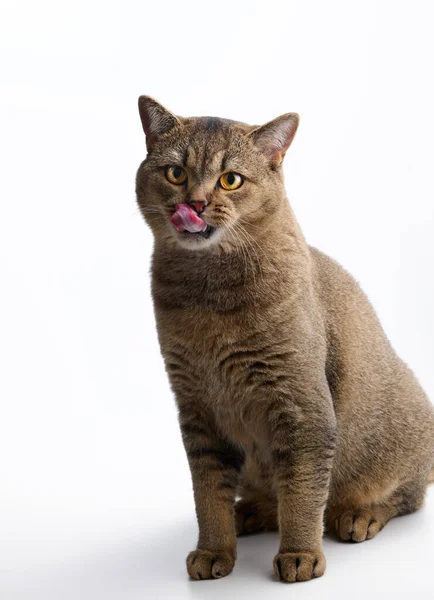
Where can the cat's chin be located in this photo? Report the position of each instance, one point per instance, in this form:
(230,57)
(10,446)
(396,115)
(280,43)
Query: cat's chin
(198,235)
(198,240)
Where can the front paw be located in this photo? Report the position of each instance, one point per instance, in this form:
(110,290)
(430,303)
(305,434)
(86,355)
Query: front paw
(299,566)
(204,564)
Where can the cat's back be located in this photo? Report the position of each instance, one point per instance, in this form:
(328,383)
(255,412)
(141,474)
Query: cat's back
(362,366)
(358,348)
(342,301)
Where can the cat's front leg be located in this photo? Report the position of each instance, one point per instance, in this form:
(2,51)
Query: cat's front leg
(215,466)
(302,446)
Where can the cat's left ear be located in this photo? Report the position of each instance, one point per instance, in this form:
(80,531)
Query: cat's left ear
(275,137)
(156,120)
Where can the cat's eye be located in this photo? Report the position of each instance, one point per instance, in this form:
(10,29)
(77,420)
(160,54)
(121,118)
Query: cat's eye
(175,175)
(231,181)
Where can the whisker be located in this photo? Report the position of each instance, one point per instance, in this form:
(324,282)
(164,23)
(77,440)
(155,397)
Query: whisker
(261,250)
(248,223)
(245,256)
(249,245)
(150,209)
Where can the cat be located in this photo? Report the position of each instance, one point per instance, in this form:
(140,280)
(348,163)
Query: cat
(295,412)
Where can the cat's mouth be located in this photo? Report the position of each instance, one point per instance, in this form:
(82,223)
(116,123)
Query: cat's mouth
(189,223)
(200,234)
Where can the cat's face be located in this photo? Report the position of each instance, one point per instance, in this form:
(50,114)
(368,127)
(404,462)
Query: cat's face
(205,179)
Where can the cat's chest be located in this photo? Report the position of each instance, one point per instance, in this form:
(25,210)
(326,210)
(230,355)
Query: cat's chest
(198,348)
(225,364)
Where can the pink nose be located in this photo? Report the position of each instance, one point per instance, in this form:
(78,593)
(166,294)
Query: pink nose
(198,205)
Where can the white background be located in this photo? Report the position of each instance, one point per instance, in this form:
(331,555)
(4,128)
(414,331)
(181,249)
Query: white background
(95,497)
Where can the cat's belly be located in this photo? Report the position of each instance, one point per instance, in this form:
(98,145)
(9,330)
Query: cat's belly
(246,428)
(240,421)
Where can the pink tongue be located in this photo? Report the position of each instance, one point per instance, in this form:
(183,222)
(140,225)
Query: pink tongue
(185,218)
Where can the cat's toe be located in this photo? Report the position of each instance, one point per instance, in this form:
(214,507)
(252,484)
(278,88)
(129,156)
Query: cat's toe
(357,526)
(299,566)
(205,564)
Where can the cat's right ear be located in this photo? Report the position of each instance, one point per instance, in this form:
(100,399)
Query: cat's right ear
(156,120)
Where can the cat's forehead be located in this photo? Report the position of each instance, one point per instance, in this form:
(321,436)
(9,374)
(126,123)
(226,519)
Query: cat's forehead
(215,125)
(210,144)
(214,133)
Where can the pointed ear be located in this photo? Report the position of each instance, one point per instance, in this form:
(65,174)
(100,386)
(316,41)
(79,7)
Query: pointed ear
(275,137)
(156,119)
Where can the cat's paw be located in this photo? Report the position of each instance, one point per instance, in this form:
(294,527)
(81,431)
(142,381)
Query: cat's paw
(204,564)
(299,566)
(359,525)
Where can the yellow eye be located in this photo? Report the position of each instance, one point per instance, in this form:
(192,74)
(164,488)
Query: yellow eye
(175,175)
(231,181)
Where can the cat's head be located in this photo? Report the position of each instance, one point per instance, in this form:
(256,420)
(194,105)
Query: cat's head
(206,177)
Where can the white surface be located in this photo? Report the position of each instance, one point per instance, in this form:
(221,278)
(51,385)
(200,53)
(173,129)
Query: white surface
(149,563)
(96,498)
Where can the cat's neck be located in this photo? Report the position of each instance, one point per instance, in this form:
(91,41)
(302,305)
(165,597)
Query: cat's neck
(242,270)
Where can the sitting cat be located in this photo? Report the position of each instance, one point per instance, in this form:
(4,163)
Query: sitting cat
(294,409)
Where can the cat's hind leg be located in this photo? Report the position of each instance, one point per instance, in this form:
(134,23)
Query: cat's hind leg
(362,523)
(255,512)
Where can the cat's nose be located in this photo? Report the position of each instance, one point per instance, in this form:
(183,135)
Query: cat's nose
(198,205)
